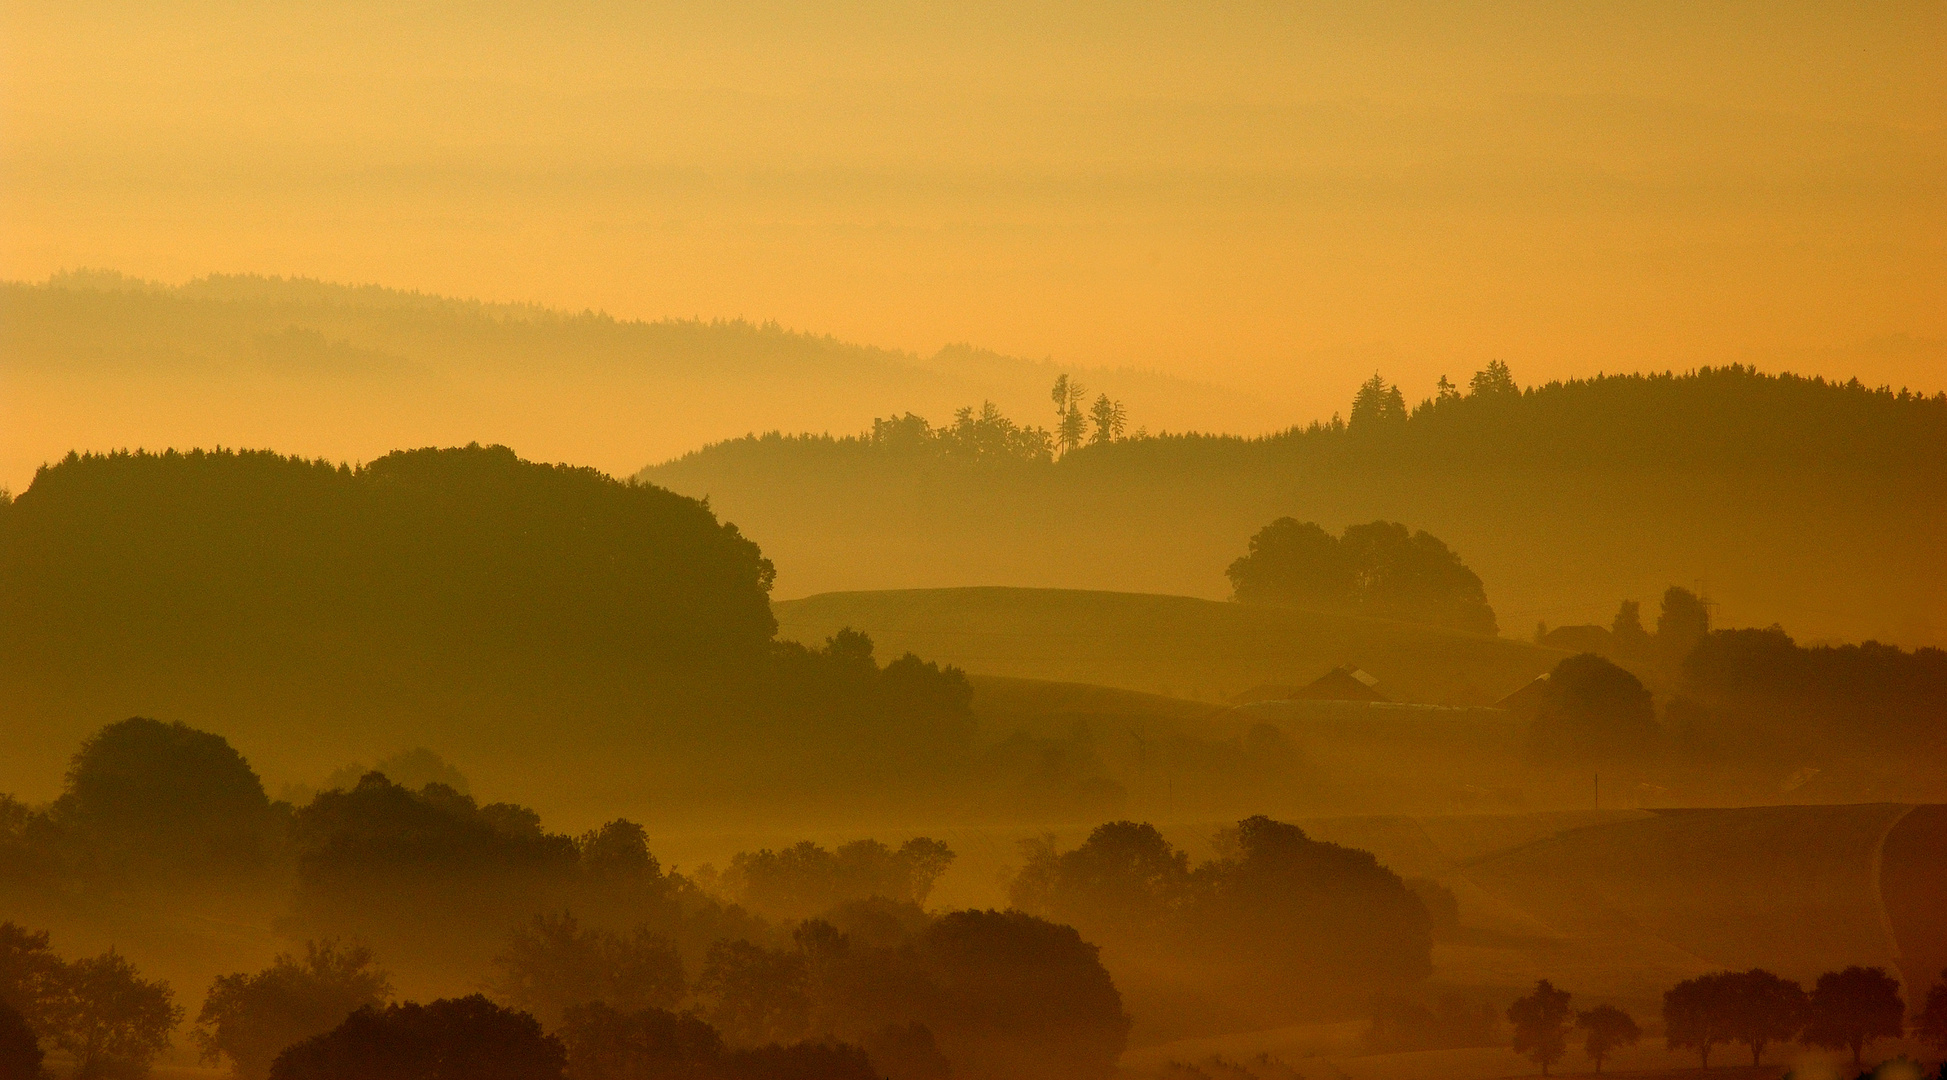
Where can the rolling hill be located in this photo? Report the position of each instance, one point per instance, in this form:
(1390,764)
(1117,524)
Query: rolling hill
(1175,646)
(1817,505)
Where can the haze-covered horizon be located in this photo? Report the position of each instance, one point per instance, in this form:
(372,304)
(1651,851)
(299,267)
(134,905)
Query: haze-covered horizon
(892,540)
(311,367)
(1275,198)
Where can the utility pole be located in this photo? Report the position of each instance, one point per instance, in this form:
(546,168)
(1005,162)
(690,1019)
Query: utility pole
(1598,791)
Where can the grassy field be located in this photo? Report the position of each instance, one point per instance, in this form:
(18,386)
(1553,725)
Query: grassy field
(1167,645)
(1638,903)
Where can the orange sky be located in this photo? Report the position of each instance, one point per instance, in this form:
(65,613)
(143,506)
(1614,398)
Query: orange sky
(1256,193)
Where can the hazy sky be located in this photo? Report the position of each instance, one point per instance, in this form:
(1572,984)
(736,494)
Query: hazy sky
(1251,193)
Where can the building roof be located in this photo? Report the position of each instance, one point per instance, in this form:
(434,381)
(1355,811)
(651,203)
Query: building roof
(1346,683)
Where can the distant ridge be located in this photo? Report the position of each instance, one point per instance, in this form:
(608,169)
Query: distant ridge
(1803,501)
(96,360)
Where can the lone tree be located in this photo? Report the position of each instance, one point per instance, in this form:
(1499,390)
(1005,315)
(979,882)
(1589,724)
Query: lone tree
(250,1018)
(467,1038)
(1930,1026)
(1608,1028)
(1541,1024)
(1853,1007)
(111,1017)
(1763,1008)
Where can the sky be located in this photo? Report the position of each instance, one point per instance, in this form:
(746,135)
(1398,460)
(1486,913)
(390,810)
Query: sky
(1280,196)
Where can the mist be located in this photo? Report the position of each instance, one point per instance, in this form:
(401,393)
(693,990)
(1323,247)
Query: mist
(878,541)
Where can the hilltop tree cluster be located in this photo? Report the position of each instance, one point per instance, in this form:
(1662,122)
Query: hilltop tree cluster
(1378,569)
(458,588)
(985,435)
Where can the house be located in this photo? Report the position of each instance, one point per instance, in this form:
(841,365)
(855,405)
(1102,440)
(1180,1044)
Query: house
(1346,683)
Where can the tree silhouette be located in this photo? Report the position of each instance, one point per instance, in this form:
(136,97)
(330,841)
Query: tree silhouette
(167,797)
(1762,1008)
(1124,878)
(1851,1008)
(1608,1028)
(1070,426)
(1680,625)
(1377,404)
(251,1018)
(1540,1023)
(30,974)
(1015,996)
(20,1050)
(1379,568)
(755,995)
(1931,1025)
(467,1038)
(109,1017)
(1626,631)
(1696,1014)
(604,1043)
(1494,380)
(551,963)
(1109,418)
(1592,710)
(906,1051)
(806,879)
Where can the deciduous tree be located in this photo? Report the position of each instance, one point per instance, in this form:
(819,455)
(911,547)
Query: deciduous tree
(1851,1008)
(552,962)
(20,1048)
(1696,1014)
(251,1018)
(1931,1025)
(467,1038)
(1540,1023)
(1608,1029)
(1763,1008)
(108,1016)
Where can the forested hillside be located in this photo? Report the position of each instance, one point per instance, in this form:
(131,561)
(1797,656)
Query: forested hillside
(1819,505)
(95,361)
(592,636)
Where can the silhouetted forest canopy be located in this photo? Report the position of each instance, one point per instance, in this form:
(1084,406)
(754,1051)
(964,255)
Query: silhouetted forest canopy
(1554,493)
(457,595)
(586,935)
(1710,417)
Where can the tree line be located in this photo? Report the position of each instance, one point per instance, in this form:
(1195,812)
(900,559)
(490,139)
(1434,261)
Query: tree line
(1845,1010)
(1729,417)
(1746,695)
